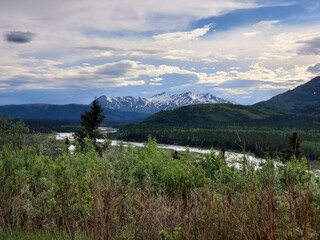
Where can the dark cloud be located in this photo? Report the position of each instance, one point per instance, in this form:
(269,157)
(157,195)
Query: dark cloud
(115,70)
(314,69)
(310,47)
(149,51)
(19,37)
(16,82)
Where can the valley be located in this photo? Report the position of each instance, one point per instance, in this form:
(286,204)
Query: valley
(159,120)
(196,120)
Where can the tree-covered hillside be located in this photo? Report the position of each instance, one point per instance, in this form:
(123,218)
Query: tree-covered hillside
(69,112)
(211,115)
(263,127)
(305,98)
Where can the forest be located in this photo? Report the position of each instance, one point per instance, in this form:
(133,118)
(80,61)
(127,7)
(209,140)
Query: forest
(147,193)
(260,141)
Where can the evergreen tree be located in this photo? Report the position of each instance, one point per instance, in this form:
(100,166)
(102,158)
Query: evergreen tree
(67,142)
(294,148)
(90,122)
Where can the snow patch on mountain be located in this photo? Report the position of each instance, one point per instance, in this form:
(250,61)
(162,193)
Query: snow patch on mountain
(158,102)
(127,103)
(166,100)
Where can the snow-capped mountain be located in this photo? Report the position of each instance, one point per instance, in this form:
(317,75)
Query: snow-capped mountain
(128,104)
(158,102)
(165,100)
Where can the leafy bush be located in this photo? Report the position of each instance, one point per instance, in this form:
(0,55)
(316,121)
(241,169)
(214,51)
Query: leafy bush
(144,193)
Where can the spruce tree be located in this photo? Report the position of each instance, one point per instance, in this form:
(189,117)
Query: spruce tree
(90,122)
(293,149)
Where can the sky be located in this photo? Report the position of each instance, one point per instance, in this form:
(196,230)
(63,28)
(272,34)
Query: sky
(72,51)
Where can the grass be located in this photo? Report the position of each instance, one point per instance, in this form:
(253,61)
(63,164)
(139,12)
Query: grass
(23,235)
(145,194)
(132,193)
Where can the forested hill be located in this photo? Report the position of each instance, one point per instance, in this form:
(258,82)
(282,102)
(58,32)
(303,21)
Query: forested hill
(304,98)
(299,107)
(210,114)
(264,128)
(69,112)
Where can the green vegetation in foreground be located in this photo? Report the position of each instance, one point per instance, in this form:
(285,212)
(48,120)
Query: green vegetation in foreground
(22,235)
(132,193)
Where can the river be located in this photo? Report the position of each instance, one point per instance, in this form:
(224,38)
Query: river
(232,158)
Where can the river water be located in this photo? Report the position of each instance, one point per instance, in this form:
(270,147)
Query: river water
(232,158)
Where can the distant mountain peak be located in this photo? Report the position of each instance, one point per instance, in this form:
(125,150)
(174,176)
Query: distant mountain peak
(158,102)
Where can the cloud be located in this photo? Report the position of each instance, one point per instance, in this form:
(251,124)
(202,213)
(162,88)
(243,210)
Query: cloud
(115,69)
(310,47)
(264,24)
(184,36)
(101,48)
(259,77)
(156,79)
(49,75)
(116,15)
(242,84)
(314,68)
(116,43)
(102,51)
(155,84)
(19,37)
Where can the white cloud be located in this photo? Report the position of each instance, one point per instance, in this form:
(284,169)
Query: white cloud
(264,24)
(78,42)
(113,15)
(251,34)
(184,36)
(155,84)
(276,78)
(115,74)
(156,79)
(104,54)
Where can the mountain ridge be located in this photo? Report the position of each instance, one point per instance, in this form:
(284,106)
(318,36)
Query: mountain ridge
(159,102)
(304,98)
(65,112)
(299,106)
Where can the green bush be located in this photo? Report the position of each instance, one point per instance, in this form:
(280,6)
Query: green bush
(144,193)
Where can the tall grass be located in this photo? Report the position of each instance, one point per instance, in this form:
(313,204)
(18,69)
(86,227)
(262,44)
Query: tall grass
(132,193)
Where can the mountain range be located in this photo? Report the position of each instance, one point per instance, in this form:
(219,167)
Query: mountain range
(69,112)
(121,110)
(158,102)
(299,107)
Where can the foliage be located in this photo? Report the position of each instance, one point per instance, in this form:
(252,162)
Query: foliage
(143,193)
(293,150)
(262,141)
(90,122)
(12,133)
(211,115)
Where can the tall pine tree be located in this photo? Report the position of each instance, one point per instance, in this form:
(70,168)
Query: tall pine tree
(293,150)
(90,122)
